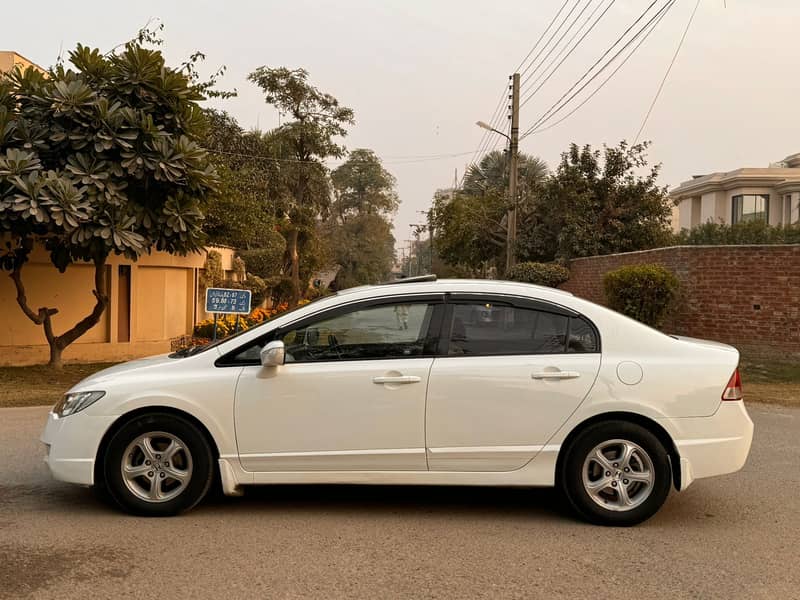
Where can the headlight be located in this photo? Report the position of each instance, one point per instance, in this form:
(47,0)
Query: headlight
(72,403)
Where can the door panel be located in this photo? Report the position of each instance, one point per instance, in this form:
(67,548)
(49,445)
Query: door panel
(489,413)
(514,372)
(333,416)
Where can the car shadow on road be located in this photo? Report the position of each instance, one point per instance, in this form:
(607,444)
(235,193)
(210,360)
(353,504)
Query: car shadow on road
(470,502)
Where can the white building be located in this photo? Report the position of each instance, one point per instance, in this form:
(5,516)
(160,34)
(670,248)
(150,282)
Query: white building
(769,194)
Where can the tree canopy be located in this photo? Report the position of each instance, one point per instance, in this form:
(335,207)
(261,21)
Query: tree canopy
(359,230)
(97,158)
(470,223)
(300,145)
(597,203)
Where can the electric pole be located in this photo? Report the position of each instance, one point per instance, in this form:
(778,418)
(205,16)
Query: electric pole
(511,237)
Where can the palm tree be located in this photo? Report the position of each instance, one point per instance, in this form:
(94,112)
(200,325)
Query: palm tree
(490,176)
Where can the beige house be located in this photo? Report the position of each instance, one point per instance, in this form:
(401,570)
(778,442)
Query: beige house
(10,59)
(769,194)
(151,301)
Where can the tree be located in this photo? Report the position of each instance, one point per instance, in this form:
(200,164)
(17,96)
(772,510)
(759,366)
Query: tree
(359,230)
(96,159)
(362,186)
(302,143)
(470,231)
(239,213)
(470,225)
(594,206)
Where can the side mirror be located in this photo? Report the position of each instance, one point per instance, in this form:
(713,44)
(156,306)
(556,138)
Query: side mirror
(273,354)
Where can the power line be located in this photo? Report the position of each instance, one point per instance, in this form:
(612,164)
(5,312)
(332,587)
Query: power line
(560,39)
(588,31)
(606,80)
(561,103)
(669,68)
(599,60)
(541,37)
(403,160)
(495,121)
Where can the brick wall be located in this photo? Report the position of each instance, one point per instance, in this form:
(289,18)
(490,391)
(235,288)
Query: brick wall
(747,296)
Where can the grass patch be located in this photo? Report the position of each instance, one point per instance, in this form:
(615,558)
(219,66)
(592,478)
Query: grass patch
(39,385)
(770,380)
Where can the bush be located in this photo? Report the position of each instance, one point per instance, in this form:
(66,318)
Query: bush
(643,292)
(266,261)
(549,274)
(225,326)
(748,232)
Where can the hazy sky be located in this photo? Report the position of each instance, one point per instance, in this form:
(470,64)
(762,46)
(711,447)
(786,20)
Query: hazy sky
(419,74)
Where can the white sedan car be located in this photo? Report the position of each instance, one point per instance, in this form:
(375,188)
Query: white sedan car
(443,382)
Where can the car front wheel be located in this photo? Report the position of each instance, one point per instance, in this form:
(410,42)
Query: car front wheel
(158,465)
(616,473)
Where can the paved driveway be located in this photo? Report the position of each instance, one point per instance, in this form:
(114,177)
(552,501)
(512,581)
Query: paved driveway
(731,537)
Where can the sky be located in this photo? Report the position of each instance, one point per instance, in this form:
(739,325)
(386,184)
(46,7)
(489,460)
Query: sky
(419,74)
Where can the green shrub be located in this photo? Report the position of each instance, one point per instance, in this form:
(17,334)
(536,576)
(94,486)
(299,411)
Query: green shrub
(549,274)
(747,232)
(254,283)
(266,261)
(643,292)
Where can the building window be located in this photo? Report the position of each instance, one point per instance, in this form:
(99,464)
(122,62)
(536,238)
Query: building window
(750,207)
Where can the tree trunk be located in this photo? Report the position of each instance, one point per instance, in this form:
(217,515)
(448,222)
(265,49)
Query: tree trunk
(295,256)
(43,316)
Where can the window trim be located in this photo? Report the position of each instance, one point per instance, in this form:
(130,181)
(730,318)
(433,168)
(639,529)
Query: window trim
(434,326)
(522,302)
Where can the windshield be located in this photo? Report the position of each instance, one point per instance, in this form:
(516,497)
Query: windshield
(193,350)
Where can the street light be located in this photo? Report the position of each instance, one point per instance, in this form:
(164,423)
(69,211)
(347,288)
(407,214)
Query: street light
(485,125)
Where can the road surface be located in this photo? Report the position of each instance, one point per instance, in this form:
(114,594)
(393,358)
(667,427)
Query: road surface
(731,537)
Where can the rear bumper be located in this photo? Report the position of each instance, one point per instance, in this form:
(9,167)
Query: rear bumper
(71,445)
(714,445)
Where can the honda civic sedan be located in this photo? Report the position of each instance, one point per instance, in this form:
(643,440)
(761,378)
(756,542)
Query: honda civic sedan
(443,382)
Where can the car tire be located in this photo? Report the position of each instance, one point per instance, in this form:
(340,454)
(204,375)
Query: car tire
(158,465)
(616,473)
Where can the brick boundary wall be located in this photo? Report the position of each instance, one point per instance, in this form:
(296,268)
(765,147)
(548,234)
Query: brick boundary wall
(746,296)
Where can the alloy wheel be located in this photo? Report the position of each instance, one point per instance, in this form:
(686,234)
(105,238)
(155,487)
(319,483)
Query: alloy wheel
(156,466)
(618,475)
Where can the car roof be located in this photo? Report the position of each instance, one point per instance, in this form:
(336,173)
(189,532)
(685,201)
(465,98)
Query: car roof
(451,285)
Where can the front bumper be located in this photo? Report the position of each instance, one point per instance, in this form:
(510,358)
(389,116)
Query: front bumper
(714,445)
(71,445)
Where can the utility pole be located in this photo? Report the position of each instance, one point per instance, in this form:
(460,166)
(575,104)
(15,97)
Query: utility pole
(427,214)
(511,236)
(410,257)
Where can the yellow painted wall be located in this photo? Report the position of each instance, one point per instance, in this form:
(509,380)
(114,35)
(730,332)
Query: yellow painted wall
(164,304)
(9,60)
(70,292)
(161,315)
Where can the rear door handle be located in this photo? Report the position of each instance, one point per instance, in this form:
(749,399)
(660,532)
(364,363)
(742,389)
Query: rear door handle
(397,379)
(555,374)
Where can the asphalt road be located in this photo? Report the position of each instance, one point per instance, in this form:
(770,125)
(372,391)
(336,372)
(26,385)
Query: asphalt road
(731,537)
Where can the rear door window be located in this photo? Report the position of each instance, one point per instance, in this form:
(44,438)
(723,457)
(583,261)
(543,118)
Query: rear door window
(486,329)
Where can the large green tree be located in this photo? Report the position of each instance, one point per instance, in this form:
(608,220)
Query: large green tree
(470,224)
(359,229)
(243,213)
(597,203)
(96,158)
(315,122)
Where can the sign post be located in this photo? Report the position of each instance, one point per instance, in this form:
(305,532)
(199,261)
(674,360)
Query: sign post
(227,302)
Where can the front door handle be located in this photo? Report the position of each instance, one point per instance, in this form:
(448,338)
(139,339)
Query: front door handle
(555,374)
(397,379)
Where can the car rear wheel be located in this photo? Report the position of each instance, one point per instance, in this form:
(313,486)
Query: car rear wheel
(616,473)
(158,465)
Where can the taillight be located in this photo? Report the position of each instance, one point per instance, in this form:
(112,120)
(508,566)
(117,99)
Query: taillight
(733,391)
